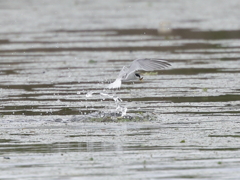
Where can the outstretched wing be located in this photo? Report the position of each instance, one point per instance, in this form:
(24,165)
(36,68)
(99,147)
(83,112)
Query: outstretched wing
(147,64)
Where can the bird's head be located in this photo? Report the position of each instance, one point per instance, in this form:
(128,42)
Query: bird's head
(139,76)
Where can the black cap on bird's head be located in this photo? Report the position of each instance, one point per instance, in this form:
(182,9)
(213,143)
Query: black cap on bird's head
(138,75)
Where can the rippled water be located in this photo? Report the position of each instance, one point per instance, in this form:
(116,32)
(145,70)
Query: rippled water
(58,121)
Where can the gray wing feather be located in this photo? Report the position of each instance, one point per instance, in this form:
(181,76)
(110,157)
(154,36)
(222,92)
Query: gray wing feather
(147,65)
(123,73)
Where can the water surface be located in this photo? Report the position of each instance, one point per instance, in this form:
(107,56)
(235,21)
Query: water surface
(181,122)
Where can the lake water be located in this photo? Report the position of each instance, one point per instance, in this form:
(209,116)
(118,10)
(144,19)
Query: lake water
(58,121)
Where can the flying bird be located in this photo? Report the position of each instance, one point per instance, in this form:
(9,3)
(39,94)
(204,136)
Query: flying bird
(128,73)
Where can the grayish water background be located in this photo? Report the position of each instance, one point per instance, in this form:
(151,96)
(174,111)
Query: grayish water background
(183,121)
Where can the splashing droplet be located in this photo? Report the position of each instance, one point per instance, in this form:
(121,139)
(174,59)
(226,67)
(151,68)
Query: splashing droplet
(89,94)
(122,110)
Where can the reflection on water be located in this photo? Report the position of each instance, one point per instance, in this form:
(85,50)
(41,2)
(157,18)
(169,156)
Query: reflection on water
(138,148)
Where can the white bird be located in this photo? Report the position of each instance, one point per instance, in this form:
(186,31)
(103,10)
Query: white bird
(129,73)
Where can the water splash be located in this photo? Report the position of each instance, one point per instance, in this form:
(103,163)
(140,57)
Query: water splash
(119,108)
(89,94)
(122,110)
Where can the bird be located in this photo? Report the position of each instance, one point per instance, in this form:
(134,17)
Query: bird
(129,73)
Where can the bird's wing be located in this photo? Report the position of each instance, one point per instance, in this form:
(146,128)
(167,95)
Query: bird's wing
(117,83)
(147,65)
(123,73)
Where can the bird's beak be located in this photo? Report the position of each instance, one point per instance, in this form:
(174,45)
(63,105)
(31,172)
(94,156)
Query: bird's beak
(141,78)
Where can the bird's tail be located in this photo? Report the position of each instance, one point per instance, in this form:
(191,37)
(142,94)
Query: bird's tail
(116,84)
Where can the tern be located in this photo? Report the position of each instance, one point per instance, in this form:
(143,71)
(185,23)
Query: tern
(129,73)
